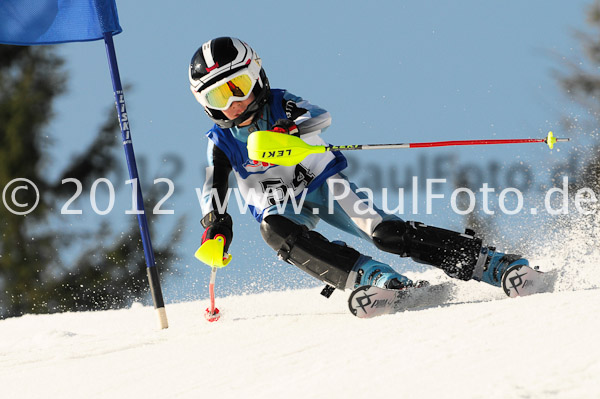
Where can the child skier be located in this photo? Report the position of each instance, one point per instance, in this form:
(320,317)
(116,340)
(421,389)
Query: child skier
(227,78)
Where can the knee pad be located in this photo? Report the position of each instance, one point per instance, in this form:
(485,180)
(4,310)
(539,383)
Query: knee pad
(275,229)
(390,236)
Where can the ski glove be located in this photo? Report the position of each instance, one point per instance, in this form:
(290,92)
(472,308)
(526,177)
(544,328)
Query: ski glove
(216,224)
(285,126)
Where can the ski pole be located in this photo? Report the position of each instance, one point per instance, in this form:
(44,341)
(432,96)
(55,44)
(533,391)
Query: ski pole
(212,253)
(212,313)
(286,150)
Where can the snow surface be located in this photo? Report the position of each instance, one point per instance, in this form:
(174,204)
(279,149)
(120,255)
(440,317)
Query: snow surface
(297,344)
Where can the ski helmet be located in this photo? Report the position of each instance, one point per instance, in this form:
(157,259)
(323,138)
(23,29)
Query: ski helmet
(225,70)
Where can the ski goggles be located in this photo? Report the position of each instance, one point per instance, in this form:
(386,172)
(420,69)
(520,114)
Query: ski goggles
(220,95)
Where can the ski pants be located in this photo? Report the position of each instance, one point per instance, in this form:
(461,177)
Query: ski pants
(342,205)
(339,203)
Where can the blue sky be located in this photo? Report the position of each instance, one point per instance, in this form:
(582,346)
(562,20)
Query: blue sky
(388,71)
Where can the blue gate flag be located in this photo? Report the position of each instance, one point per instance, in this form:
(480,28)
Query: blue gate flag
(31,22)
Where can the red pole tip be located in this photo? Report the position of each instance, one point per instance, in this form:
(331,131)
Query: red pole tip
(212,316)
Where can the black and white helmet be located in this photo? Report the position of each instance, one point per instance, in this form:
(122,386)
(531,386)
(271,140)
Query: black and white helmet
(224,70)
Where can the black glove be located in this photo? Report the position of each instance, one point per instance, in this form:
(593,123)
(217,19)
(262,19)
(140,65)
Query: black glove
(218,225)
(285,126)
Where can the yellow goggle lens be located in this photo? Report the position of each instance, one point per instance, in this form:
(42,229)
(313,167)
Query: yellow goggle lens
(239,87)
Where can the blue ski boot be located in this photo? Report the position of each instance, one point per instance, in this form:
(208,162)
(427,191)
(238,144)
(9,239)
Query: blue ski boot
(513,274)
(371,272)
(497,264)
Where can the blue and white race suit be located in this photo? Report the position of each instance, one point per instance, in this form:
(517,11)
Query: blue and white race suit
(314,189)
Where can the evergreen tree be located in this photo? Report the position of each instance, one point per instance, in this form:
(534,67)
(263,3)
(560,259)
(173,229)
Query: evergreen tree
(582,84)
(110,271)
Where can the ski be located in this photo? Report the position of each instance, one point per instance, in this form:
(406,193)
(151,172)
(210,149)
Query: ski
(524,280)
(370,301)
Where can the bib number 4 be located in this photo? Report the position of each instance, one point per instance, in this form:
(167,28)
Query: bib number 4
(277,190)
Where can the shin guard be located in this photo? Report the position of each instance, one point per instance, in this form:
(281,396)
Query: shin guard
(328,261)
(455,253)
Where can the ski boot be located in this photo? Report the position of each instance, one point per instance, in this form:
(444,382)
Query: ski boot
(498,263)
(370,272)
(514,275)
(378,290)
